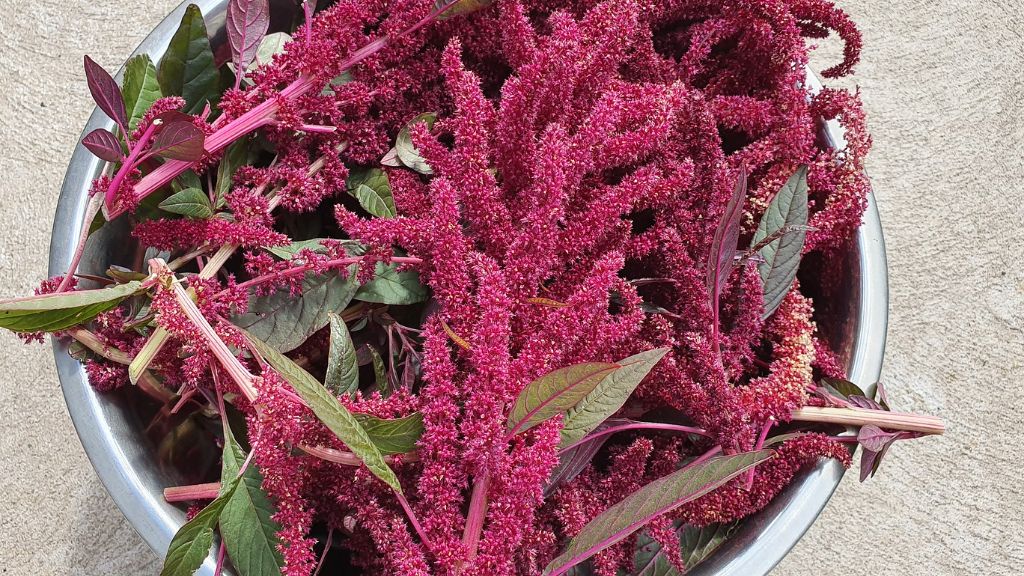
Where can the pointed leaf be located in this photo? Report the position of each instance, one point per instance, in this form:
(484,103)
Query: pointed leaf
(54,312)
(874,439)
(246,527)
(141,88)
(781,257)
(695,545)
(270,45)
(247,23)
(841,388)
(106,93)
(656,498)
(372,189)
(342,369)
(285,321)
(555,393)
(393,436)
(329,411)
(380,374)
(315,244)
(727,235)
(609,395)
(236,156)
(103,144)
(187,68)
(191,202)
(180,141)
(389,286)
(406,151)
(191,544)
(453,8)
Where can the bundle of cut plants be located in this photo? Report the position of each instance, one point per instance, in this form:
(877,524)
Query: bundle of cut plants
(477,288)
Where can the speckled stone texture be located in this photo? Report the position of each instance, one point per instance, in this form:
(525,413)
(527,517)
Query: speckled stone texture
(943,82)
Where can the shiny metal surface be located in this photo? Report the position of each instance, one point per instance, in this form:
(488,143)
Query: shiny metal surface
(112,431)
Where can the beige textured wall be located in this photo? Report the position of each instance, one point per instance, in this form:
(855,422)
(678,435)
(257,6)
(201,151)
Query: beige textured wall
(943,81)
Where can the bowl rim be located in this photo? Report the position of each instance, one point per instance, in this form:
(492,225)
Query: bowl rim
(754,549)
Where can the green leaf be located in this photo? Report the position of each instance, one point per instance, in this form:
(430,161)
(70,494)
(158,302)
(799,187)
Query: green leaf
(394,436)
(187,68)
(289,251)
(609,395)
(191,544)
(380,374)
(237,155)
(556,392)
(695,543)
(54,312)
(246,527)
(372,189)
(327,408)
(140,88)
(191,202)
(656,498)
(389,286)
(782,256)
(460,7)
(270,45)
(285,321)
(342,368)
(406,152)
(841,388)
(187,179)
(339,80)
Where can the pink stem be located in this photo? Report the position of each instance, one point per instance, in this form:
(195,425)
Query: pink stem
(297,270)
(757,446)
(207,491)
(220,350)
(91,210)
(414,521)
(220,559)
(636,426)
(254,119)
(704,457)
(861,417)
(126,167)
(475,519)
(327,548)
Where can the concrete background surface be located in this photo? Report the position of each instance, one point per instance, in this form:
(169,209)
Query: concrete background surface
(943,82)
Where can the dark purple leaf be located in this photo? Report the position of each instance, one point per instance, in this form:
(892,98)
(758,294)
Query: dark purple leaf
(247,23)
(883,397)
(723,247)
(864,402)
(869,462)
(842,388)
(874,439)
(179,141)
(106,93)
(104,144)
(574,460)
(172,116)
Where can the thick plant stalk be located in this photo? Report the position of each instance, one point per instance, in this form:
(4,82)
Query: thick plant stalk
(860,417)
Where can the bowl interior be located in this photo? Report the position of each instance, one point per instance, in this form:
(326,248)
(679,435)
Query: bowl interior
(851,313)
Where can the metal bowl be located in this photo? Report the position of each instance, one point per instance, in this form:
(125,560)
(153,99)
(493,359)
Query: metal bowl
(853,316)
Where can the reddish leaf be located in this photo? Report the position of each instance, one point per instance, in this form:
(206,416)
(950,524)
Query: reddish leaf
(874,439)
(723,247)
(104,144)
(247,23)
(179,141)
(106,93)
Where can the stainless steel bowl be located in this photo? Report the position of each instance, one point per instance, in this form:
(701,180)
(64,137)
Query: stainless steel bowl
(112,431)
